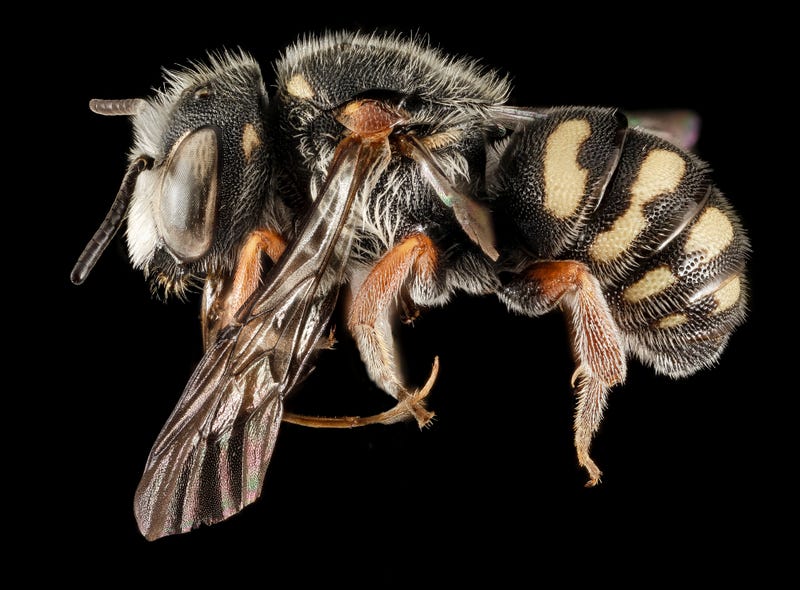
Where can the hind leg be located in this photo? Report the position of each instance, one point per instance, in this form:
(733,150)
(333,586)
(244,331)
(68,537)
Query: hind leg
(596,340)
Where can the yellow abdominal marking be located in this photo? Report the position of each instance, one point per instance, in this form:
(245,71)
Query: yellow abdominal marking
(660,173)
(250,140)
(652,283)
(727,295)
(711,234)
(564,178)
(672,320)
(299,87)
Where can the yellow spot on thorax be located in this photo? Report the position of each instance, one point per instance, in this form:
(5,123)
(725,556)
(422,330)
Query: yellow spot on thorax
(652,283)
(564,177)
(250,140)
(727,295)
(299,87)
(711,234)
(660,173)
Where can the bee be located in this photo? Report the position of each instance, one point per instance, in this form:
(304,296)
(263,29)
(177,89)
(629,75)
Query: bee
(386,173)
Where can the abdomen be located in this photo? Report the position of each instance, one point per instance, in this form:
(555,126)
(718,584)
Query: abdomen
(645,218)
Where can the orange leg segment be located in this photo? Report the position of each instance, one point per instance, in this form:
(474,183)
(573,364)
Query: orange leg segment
(368,320)
(369,316)
(416,253)
(596,340)
(223,296)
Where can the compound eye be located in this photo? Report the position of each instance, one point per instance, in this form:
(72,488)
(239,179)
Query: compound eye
(188,198)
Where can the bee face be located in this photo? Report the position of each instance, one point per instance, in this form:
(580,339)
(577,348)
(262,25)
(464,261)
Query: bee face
(210,160)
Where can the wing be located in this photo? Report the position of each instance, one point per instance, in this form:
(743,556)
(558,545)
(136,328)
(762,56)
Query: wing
(680,127)
(210,458)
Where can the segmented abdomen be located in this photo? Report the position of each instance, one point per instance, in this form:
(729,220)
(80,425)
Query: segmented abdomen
(644,216)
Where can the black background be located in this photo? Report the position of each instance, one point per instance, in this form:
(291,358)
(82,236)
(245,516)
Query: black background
(492,490)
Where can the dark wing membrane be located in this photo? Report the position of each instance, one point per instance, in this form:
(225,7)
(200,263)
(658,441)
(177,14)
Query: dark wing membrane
(680,127)
(210,458)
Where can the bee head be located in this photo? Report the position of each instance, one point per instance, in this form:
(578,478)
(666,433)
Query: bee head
(199,167)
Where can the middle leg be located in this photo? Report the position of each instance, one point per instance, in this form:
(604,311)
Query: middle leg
(369,318)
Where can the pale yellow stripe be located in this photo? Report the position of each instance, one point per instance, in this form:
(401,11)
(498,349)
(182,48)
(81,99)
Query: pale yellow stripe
(564,177)
(660,173)
(672,320)
(711,234)
(652,283)
(727,296)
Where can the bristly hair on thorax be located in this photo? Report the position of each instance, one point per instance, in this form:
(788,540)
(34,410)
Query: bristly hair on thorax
(383,56)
